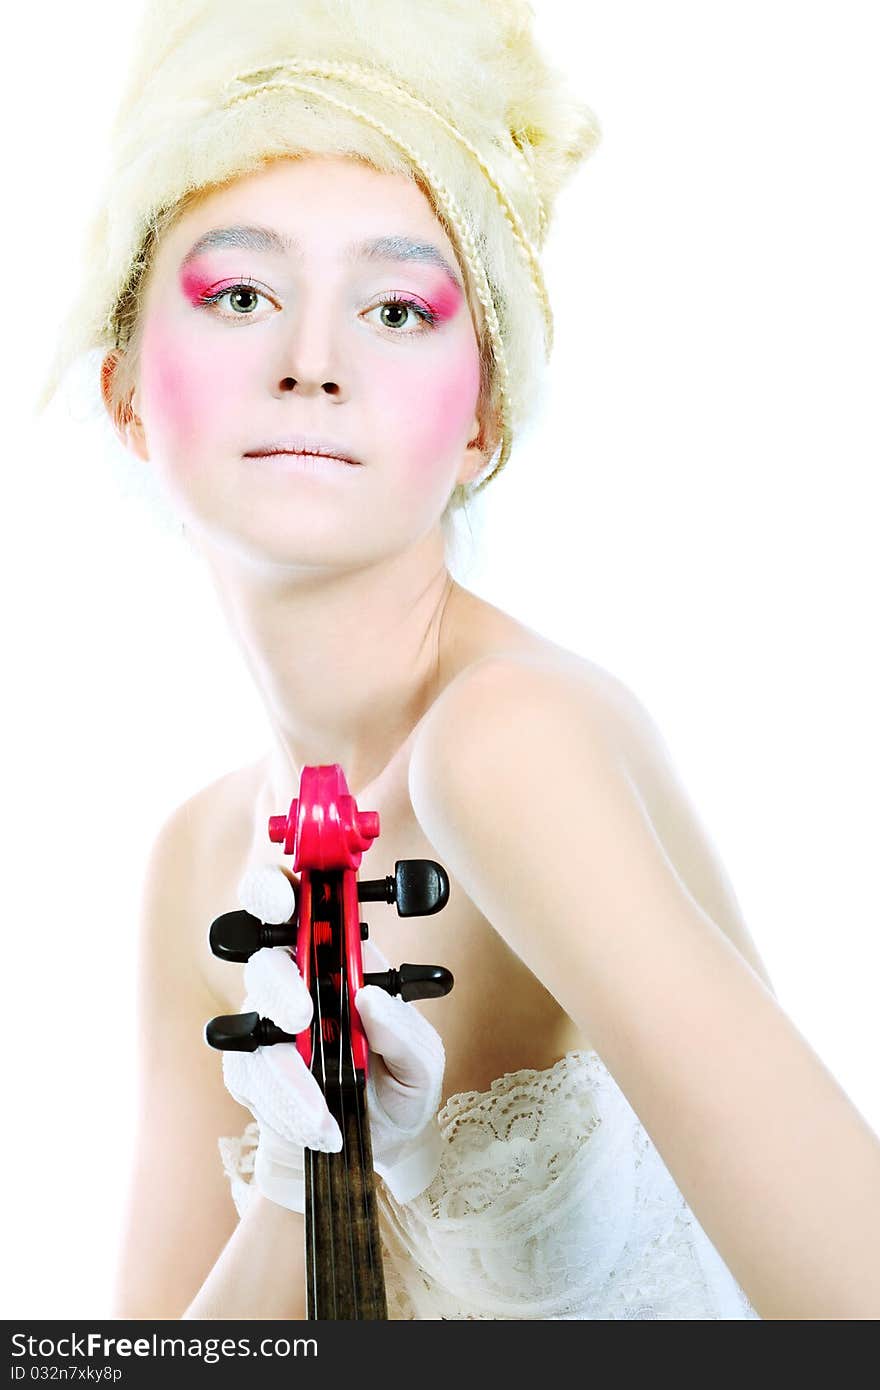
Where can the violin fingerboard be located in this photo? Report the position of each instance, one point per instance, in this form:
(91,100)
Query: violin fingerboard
(344,1275)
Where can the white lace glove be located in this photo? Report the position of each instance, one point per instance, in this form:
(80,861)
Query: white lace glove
(404,1079)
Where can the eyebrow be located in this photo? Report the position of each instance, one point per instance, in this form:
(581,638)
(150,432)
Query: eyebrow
(266,239)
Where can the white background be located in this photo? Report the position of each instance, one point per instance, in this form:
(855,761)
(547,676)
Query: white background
(696,511)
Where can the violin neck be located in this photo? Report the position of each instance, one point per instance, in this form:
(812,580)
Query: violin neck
(344,1276)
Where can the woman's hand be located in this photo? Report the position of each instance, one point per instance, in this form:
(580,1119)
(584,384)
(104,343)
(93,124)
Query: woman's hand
(405,1074)
(404,1085)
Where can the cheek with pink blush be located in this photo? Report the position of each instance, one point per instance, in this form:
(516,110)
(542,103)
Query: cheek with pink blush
(184,386)
(448,399)
(431,409)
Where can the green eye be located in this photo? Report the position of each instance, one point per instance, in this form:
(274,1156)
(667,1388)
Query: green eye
(400,306)
(236,293)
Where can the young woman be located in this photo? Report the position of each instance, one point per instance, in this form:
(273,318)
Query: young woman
(321,240)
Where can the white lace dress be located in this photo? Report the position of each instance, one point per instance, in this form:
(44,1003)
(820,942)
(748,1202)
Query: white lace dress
(551,1201)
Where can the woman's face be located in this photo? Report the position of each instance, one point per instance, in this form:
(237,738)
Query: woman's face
(291,328)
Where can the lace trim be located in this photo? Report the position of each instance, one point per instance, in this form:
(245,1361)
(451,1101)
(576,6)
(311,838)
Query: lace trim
(237,1156)
(551,1201)
(237,1152)
(465,1102)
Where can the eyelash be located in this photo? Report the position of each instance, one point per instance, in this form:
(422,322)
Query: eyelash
(428,317)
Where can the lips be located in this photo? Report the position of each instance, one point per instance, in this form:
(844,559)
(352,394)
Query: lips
(322,448)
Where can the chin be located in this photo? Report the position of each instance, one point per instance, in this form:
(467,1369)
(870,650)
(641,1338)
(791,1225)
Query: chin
(295,540)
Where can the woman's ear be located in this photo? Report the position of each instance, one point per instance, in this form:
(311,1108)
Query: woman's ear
(127,424)
(483,443)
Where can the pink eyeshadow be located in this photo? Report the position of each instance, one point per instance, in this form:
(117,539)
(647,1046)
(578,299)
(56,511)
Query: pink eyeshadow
(446,301)
(194,282)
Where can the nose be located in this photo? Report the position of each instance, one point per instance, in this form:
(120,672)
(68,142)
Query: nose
(310,349)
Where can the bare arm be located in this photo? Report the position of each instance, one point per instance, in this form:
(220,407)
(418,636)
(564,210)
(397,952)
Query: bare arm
(261,1270)
(184,1254)
(538,815)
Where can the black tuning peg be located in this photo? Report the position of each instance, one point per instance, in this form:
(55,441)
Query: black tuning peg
(419,887)
(414,981)
(244,1033)
(237,935)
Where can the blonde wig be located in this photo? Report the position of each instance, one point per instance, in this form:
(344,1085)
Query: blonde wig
(452,93)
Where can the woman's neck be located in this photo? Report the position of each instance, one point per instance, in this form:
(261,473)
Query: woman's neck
(346,663)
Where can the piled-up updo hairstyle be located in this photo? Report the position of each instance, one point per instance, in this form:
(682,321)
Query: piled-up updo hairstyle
(454,94)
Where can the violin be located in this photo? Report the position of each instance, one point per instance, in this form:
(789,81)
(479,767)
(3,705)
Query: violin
(327,836)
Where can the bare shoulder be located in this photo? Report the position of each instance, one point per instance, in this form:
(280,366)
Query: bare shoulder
(190,877)
(214,806)
(185,870)
(194,837)
(512,698)
(538,714)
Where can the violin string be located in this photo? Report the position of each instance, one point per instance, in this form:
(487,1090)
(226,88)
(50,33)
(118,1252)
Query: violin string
(313,1295)
(344,990)
(325,1157)
(310,1230)
(361,1119)
(351,1158)
(339,920)
(361,1123)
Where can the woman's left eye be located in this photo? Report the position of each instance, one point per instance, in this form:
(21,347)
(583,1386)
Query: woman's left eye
(235,294)
(404,309)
